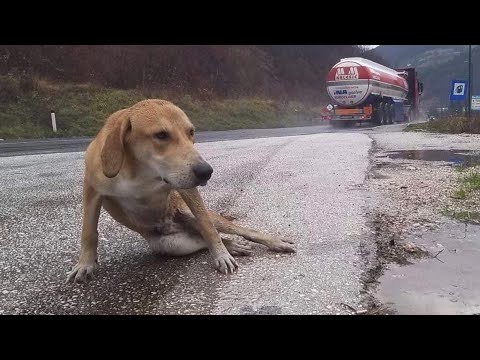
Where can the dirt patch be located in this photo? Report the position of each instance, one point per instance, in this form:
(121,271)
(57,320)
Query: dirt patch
(390,248)
(408,203)
(415,184)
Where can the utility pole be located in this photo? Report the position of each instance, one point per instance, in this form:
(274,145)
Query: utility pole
(469,83)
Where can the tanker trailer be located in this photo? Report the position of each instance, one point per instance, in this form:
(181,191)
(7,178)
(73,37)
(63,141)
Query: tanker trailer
(365,91)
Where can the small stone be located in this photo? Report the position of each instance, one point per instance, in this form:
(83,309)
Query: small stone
(411,248)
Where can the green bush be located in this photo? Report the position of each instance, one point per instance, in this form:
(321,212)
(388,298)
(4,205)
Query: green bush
(10,88)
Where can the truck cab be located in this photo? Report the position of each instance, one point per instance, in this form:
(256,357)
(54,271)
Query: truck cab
(415,90)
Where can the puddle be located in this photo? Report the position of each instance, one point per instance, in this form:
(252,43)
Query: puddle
(446,283)
(455,157)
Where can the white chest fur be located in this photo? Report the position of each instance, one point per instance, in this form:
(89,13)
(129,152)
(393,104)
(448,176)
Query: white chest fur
(144,203)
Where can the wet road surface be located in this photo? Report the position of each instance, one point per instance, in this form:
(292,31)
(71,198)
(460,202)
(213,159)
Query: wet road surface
(445,284)
(59,145)
(306,188)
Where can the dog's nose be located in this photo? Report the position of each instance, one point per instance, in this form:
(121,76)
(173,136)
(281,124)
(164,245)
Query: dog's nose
(203,171)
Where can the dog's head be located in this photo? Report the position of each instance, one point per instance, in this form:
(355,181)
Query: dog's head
(156,138)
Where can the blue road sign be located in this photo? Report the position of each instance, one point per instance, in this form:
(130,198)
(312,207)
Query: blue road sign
(459,90)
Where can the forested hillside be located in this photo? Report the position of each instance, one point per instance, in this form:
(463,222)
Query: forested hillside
(219,86)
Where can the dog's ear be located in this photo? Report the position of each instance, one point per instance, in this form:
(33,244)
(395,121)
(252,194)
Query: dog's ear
(113,149)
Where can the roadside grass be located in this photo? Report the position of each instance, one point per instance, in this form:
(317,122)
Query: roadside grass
(448,125)
(472,217)
(467,195)
(81,109)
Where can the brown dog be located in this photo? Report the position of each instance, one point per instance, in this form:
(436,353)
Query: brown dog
(144,170)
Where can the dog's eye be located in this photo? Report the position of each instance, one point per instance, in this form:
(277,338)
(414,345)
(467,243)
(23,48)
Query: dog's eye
(162,135)
(192,132)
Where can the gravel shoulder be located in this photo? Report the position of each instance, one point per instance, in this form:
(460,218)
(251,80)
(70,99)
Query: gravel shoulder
(408,203)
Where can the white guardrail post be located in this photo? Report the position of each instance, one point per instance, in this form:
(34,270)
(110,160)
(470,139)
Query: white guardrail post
(54,122)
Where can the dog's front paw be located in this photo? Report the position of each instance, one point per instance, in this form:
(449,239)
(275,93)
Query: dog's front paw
(82,272)
(282,246)
(224,262)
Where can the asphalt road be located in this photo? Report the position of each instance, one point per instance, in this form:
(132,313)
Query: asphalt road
(53,145)
(306,188)
(48,146)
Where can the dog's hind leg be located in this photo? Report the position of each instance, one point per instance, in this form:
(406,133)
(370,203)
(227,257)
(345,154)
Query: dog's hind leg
(226,226)
(186,243)
(177,244)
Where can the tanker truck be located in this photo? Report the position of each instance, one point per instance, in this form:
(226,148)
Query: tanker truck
(365,91)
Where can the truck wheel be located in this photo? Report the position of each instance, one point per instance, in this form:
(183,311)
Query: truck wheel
(386,116)
(388,112)
(381,114)
(392,113)
(378,114)
(408,116)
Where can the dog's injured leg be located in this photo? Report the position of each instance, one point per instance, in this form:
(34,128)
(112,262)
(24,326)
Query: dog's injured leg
(237,247)
(186,243)
(225,226)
